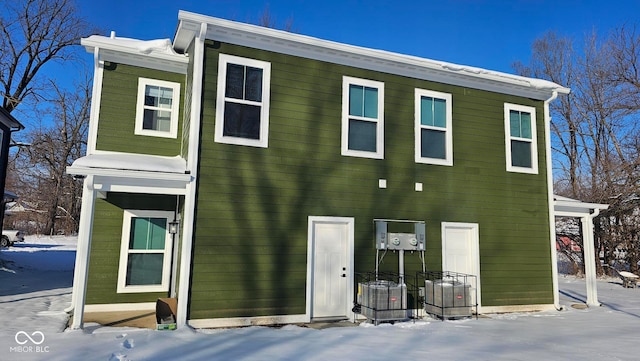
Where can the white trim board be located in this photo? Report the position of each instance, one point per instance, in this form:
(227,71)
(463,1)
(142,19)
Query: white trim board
(114,307)
(247,321)
(384,61)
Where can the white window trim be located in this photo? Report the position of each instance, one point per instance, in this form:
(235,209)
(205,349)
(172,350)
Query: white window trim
(175,106)
(534,139)
(219,137)
(379,154)
(124,253)
(448,160)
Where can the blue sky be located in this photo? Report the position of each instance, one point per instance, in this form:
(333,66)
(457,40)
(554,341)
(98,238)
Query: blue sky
(485,34)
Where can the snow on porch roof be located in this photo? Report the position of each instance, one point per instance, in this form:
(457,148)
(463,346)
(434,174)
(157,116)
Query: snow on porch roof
(127,164)
(568,205)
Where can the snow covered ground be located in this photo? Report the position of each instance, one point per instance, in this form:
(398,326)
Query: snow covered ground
(35,287)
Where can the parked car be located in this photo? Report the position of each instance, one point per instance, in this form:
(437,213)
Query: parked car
(9,237)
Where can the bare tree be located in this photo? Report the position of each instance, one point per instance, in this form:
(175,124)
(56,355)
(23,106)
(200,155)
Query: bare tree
(595,129)
(268,20)
(54,146)
(33,33)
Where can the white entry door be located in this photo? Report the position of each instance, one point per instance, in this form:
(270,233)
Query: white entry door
(330,286)
(460,250)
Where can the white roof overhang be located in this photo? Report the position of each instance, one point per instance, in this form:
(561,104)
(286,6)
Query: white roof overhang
(154,54)
(378,60)
(567,207)
(135,173)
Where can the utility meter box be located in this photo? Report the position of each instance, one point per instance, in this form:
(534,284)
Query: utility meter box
(404,241)
(400,241)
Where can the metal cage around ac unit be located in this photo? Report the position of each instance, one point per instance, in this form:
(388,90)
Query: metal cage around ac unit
(383,300)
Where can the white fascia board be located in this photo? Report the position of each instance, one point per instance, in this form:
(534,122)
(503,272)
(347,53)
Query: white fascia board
(378,60)
(119,173)
(113,49)
(560,206)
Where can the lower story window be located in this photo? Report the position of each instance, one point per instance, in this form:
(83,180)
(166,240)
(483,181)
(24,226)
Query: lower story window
(145,253)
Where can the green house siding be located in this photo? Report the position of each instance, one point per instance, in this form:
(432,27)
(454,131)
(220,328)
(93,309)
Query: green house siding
(250,242)
(106,240)
(116,125)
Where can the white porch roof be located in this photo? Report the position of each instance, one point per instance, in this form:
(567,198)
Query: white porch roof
(568,207)
(136,173)
(563,205)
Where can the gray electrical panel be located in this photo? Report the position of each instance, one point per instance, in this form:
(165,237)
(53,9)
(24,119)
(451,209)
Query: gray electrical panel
(421,236)
(381,235)
(400,241)
(404,241)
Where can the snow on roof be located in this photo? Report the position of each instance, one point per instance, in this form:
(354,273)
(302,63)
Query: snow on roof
(133,162)
(159,48)
(379,60)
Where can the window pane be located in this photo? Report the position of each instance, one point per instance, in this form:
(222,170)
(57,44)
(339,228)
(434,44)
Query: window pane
(147,233)
(156,96)
(426,111)
(235,81)
(241,120)
(253,88)
(514,121)
(520,154)
(156,120)
(144,269)
(525,125)
(440,113)
(371,102)
(362,135)
(356,100)
(433,144)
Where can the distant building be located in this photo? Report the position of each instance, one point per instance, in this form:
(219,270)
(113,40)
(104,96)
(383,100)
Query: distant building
(8,125)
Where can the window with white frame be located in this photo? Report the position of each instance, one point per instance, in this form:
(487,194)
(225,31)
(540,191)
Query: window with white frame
(242,104)
(433,136)
(145,253)
(520,138)
(157,108)
(362,118)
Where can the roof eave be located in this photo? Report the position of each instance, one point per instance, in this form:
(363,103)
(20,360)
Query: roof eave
(378,60)
(11,122)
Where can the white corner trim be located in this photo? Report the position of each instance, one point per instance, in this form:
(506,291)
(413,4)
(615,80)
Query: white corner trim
(96,93)
(192,165)
(115,307)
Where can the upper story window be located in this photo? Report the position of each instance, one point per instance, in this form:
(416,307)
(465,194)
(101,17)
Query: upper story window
(157,108)
(520,138)
(433,137)
(362,118)
(242,105)
(145,252)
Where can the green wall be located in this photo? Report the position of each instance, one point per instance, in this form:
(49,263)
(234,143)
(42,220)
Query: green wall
(106,240)
(116,125)
(250,243)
